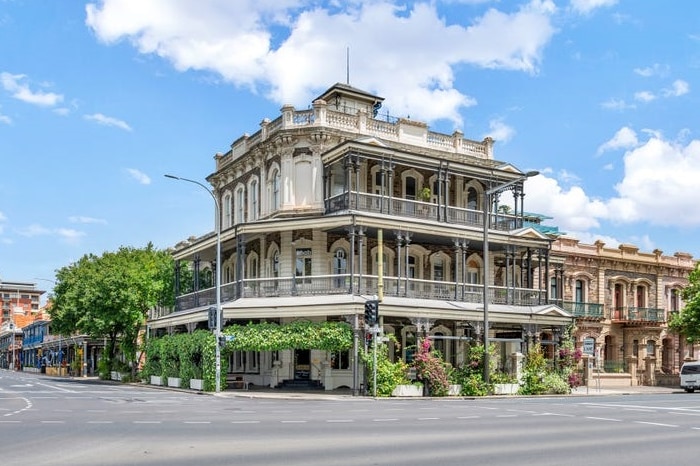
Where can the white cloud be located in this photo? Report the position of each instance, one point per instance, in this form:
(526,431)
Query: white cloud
(34,230)
(69,235)
(587,6)
(615,104)
(108,121)
(234,41)
(86,220)
(139,176)
(499,131)
(678,88)
(15,85)
(654,70)
(644,96)
(658,187)
(660,184)
(2,217)
(625,138)
(5,119)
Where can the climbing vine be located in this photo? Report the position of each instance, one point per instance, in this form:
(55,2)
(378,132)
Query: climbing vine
(268,336)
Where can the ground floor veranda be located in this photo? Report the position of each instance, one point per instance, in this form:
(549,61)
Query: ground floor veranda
(452,326)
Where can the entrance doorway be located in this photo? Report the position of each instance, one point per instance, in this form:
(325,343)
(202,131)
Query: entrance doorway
(302,364)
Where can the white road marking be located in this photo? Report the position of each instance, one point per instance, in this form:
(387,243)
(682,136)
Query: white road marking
(655,424)
(602,419)
(339,420)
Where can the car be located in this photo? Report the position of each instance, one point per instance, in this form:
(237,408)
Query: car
(690,376)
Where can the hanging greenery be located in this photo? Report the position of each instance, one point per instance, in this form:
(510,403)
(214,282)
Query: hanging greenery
(193,355)
(268,336)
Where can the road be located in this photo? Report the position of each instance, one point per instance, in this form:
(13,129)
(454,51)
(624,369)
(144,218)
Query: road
(49,421)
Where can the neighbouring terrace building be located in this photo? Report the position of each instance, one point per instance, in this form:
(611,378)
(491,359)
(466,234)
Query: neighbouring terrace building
(326,208)
(623,299)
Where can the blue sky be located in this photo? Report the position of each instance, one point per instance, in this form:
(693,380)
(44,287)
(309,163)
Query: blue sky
(99,99)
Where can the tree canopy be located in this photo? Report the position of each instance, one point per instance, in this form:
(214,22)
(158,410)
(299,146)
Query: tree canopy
(109,296)
(687,322)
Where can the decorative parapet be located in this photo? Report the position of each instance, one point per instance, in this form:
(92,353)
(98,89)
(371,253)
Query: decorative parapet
(624,252)
(402,130)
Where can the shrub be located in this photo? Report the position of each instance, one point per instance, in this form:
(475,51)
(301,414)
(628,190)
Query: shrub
(431,369)
(389,374)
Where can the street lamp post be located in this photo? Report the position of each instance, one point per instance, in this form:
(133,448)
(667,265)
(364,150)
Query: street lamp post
(486,221)
(218,275)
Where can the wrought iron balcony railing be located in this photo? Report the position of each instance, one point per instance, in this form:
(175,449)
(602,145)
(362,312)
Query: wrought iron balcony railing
(638,314)
(584,310)
(320,285)
(375,203)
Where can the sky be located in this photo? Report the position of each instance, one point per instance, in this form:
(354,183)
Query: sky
(100,99)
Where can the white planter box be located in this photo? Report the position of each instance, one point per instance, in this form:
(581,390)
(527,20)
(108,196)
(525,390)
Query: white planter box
(156,380)
(197,384)
(174,382)
(408,390)
(505,389)
(116,375)
(455,390)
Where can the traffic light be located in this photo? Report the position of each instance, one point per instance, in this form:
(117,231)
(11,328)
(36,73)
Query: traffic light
(212,318)
(371,312)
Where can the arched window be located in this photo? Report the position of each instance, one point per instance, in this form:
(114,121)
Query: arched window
(674,300)
(472,199)
(275,264)
(253,196)
(240,205)
(227,220)
(580,296)
(340,267)
(641,296)
(410,188)
(275,194)
(438,269)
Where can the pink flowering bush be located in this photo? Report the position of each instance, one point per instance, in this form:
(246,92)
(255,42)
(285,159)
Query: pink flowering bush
(431,369)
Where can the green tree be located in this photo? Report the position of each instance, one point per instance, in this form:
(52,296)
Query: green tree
(109,297)
(687,321)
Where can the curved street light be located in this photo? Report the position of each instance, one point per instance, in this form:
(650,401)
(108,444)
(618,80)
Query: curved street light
(218,275)
(487,206)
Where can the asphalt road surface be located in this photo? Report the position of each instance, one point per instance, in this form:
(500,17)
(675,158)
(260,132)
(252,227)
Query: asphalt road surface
(50,421)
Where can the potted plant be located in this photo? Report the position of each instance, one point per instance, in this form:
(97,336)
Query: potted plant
(425,194)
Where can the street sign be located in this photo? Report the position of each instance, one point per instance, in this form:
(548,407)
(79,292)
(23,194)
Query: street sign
(589,346)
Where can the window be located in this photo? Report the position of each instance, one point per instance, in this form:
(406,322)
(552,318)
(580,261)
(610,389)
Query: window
(410,188)
(411,272)
(340,267)
(253,200)
(240,205)
(641,296)
(275,190)
(378,182)
(340,360)
(244,361)
(554,288)
(275,264)
(438,269)
(303,266)
(227,220)
(674,300)
(579,297)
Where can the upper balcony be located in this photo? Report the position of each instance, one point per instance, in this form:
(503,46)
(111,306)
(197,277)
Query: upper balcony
(374,203)
(640,315)
(587,311)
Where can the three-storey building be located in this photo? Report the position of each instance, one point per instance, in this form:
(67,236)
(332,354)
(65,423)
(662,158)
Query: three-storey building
(326,208)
